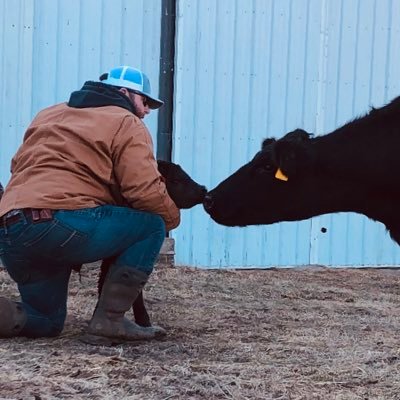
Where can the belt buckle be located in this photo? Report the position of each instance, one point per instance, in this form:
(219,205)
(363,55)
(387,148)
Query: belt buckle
(40,215)
(45,214)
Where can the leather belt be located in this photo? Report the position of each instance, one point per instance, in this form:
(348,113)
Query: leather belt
(32,214)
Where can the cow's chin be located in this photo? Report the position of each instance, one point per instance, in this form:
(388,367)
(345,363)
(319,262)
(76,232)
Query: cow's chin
(231,221)
(242,221)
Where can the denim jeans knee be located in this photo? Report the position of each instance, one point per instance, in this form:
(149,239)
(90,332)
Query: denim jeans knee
(142,254)
(45,303)
(41,325)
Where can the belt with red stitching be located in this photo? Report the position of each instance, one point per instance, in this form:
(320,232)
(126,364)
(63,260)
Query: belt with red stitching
(32,214)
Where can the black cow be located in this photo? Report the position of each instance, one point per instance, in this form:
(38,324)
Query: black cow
(185,193)
(355,168)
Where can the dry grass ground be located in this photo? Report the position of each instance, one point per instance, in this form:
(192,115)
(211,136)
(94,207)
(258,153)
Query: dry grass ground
(272,334)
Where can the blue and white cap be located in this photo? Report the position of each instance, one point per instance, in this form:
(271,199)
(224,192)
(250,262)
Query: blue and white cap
(134,79)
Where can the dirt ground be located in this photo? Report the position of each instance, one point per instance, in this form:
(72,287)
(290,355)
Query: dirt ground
(310,333)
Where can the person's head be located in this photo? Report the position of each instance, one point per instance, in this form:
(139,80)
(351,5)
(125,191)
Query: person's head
(134,84)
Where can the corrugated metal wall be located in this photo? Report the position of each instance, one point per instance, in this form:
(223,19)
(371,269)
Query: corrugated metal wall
(48,48)
(247,69)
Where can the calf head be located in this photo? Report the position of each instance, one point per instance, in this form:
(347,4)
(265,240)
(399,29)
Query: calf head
(272,187)
(182,189)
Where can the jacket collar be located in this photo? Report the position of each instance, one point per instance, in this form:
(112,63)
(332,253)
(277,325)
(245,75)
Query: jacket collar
(97,94)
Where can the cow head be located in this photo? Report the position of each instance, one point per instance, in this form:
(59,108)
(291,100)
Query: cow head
(270,188)
(291,154)
(182,189)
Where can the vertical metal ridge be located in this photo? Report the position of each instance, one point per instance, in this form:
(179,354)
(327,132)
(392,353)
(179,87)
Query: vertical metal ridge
(390,28)
(246,245)
(213,117)
(271,38)
(322,70)
(340,41)
(80,45)
(306,52)
(373,49)
(58,53)
(356,58)
(228,235)
(287,72)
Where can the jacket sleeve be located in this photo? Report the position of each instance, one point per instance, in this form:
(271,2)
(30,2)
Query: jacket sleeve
(135,169)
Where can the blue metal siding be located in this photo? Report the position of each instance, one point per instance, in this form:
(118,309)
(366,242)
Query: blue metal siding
(50,47)
(16,75)
(251,69)
(245,70)
(360,52)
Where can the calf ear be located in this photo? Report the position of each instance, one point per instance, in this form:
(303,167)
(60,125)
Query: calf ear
(291,154)
(163,168)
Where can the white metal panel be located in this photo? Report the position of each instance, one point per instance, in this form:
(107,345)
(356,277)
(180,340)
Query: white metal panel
(251,69)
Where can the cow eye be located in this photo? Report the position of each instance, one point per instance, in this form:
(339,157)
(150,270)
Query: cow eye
(265,168)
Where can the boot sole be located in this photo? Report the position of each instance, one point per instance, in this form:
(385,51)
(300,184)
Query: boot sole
(97,340)
(100,340)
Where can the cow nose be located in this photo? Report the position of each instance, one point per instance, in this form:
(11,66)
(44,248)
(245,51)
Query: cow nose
(208,202)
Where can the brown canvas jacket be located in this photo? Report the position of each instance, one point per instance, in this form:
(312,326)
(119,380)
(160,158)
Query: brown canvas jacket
(70,157)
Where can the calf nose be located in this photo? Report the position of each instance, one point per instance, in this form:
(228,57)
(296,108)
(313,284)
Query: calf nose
(208,202)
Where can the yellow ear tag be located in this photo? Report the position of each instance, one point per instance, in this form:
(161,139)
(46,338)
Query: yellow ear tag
(279,175)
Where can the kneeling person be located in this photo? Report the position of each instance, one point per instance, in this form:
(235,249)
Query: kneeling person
(58,209)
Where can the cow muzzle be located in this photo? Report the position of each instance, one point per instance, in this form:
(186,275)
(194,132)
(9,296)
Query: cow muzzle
(208,202)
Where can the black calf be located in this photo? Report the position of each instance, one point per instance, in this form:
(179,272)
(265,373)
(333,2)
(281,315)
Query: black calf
(185,193)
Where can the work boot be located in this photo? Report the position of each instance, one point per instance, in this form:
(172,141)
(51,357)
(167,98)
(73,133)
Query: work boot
(12,318)
(108,325)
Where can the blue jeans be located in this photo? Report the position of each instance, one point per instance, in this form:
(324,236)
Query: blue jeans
(39,256)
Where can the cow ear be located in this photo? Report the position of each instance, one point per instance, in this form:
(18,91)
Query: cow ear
(267,142)
(291,153)
(297,136)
